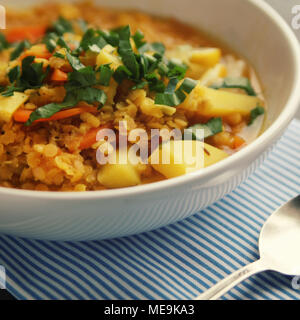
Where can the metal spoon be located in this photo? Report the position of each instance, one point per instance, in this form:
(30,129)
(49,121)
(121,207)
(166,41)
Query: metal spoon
(278,247)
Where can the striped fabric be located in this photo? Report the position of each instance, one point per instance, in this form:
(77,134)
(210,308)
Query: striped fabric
(175,262)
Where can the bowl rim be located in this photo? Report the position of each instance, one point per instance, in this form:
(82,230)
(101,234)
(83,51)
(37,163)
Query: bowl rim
(258,145)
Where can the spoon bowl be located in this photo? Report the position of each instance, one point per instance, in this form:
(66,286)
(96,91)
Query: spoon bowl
(278,247)
(280,238)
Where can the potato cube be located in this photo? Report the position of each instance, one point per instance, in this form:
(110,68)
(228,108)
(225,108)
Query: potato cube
(207,57)
(184,157)
(218,103)
(119,175)
(8,105)
(108,55)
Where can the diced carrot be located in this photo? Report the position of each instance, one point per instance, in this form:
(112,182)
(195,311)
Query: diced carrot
(38,51)
(59,75)
(90,137)
(238,142)
(30,33)
(22,115)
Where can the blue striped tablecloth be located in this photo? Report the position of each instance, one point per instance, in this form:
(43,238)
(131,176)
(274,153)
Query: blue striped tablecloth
(175,262)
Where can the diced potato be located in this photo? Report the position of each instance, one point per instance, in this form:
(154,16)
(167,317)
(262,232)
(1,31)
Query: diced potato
(218,103)
(184,157)
(213,74)
(181,53)
(72,38)
(8,105)
(222,103)
(198,59)
(108,55)
(119,175)
(208,57)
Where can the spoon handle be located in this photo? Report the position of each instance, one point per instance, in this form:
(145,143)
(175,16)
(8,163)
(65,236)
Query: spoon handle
(232,280)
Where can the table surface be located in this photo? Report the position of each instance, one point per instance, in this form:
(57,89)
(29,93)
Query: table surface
(284,7)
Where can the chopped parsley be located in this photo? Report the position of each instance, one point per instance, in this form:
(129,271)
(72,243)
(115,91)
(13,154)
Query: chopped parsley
(32,76)
(146,67)
(256,112)
(138,39)
(3,42)
(58,55)
(21,46)
(80,87)
(239,83)
(74,62)
(50,41)
(61,26)
(172,96)
(212,127)
(105,75)
(92,41)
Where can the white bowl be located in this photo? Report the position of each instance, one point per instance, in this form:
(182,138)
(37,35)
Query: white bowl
(250,27)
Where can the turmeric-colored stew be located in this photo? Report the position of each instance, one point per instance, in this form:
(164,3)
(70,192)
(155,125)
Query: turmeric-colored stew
(82,68)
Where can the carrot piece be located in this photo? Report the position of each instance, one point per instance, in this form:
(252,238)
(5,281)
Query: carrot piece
(38,51)
(59,75)
(31,33)
(70,113)
(22,115)
(238,142)
(90,137)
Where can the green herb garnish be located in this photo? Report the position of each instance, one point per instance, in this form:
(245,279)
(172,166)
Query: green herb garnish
(3,42)
(105,75)
(92,41)
(256,112)
(138,39)
(212,127)
(31,76)
(21,46)
(74,62)
(126,52)
(80,87)
(146,67)
(239,83)
(50,41)
(172,97)
(58,55)
(61,26)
